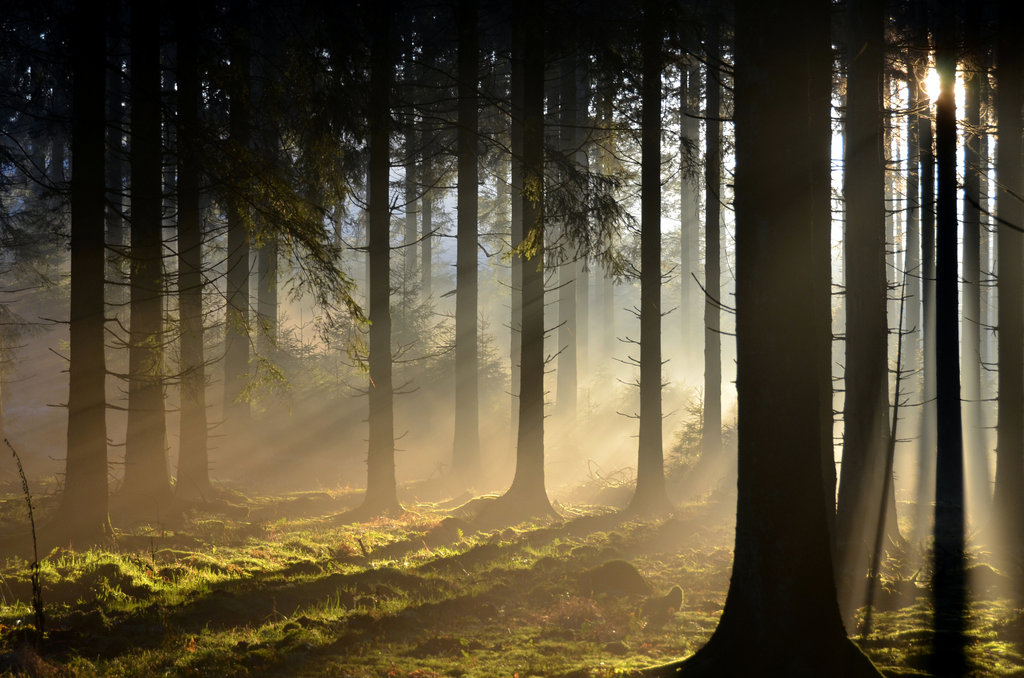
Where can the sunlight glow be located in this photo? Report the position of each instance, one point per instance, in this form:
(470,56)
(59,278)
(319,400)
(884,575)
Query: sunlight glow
(932,85)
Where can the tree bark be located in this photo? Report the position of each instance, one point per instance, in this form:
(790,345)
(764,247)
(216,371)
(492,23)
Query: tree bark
(193,461)
(236,345)
(650,495)
(466,449)
(381,489)
(1008,500)
(712,436)
(866,409)
(83,518)
(146,474)
(566,372)
(949,582)
(782,587)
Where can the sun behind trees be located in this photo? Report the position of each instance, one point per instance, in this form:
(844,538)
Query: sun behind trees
(551,338)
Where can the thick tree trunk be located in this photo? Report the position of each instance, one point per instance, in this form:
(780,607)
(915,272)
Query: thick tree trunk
(712,436)
(146,474)
(650,495)
(866,410)
(1008,500)
(193,462)
(82,518)
(236,345)
(781,588)
(949,582)
(466,450)
(381,488)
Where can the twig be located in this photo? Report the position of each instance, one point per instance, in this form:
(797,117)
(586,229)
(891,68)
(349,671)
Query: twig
(37,589)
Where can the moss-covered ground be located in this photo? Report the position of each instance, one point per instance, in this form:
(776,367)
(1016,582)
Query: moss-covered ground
(286,586)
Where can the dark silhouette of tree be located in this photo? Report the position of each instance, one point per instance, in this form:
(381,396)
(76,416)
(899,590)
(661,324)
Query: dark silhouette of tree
(866,409)
(650,495)
(689,217)
(193,479)
(381,490)
(1008,499)
(949,581)
(83,517)
(782,585)
(466,453)
(146,480)
(979,493)
(712,438)
(527,494)
(567,371)
(236,343)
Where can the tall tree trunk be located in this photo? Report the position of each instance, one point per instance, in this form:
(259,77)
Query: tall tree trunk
(83,512)
(712,435)
(1008,499)
(689,216)
(781,587)
(466,452)
(566,373)
(527,493)
(650,495)
(409,251)
(978,495)
(516,213)
(115,169)
(926,462)
(949,582)
(146,473)
(912,252)
(236,348)
(582,123)
(193,461)
(427,231)
(866,410)
(381,489)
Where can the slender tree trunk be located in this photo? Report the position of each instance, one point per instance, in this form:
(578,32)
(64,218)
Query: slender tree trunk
(409,252)
(381,489)
(650,493)
(712,436)
(527,492)
(516,212)
(866,410)
(926,463)
(115,175)
(949,583)
(236,348)
(193,462)
(912,253)
(83,514)
(146,473)
(466,452)
(582,266)
(689,216)
(566,373)
(781,587)
(426,234)
(979,495)
(1008,499)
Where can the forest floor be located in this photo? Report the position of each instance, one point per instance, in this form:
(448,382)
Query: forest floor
(286,586)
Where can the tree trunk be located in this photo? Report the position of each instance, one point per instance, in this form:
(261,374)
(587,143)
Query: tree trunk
(781,587)
(1008,500)
(566,372)
(409,251)
(926,462)
(146,479)
(236,347)
(650,495)
(979,494)
(866,410)
(527,494)
(381,489)
(426,234)
(82,518)
(466,451)
(689,217)
(193,463)
(712,436)
(516,213)
(949,582)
